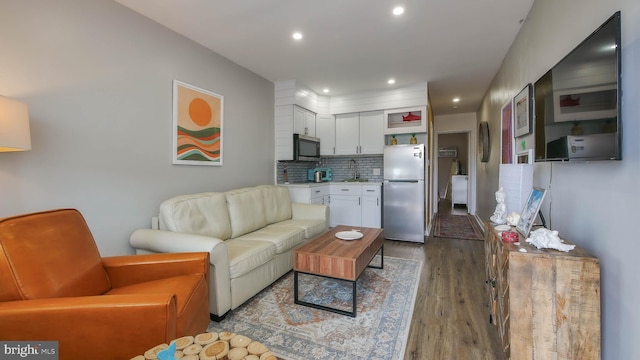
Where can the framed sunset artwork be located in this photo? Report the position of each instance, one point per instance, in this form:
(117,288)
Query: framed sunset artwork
(197,125)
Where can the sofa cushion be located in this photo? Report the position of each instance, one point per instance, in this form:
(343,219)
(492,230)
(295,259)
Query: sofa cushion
(277,204)
(246,255)
(309,227)
(283,237)
(202,214)
(246,210)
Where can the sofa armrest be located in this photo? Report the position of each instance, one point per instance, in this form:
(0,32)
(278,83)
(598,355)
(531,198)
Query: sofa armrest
(301,211)
(88,326)
(168,241)
(135,269)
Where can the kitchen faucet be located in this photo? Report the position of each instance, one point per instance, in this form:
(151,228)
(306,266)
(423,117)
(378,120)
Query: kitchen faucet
(355,168)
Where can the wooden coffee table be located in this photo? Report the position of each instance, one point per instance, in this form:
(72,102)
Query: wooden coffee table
(327,256)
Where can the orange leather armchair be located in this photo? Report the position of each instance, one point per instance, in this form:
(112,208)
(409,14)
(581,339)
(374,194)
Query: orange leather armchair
(54,286)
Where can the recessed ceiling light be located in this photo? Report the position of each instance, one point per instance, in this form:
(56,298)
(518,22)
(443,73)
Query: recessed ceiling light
(398,10)
(455,100)
(297,35)
(391,81)
(325,90)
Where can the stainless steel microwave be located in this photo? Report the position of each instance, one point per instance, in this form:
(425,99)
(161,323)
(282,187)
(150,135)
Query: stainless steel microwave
(306,148)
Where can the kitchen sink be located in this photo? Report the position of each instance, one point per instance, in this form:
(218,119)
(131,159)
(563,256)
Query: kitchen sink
(355,180)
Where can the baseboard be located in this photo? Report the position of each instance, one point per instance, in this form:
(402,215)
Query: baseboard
(479,222)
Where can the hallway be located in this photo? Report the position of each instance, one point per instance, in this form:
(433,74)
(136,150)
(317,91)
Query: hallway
(444,207)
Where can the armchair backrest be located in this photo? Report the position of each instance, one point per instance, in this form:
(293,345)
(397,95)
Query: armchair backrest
(48,255)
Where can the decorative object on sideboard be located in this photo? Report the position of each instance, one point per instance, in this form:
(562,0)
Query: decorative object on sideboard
(523,111)
(484,141)
(15,133)
(513,219)
(197,125)
(530,211)
(393,141)
(413,139)
(500,214)
(548,239)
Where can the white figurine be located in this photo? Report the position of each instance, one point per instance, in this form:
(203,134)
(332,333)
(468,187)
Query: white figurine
(500,214)
(548,239)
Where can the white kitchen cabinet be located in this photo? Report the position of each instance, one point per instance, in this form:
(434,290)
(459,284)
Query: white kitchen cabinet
(459,189)
(351,204)
(347,134)
(359,133)
(310,194)
(345,204)
(371,132)
(290,119)
(304,121)
(326,131)
(371,206)
(356,205)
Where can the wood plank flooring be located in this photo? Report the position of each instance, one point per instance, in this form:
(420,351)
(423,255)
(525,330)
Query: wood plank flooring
(451,317)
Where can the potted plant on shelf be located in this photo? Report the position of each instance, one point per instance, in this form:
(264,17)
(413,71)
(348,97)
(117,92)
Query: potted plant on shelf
(393,141)
(413,139)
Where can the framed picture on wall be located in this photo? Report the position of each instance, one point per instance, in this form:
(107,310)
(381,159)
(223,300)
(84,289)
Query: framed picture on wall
(507,133)
(197,125)
(523,111)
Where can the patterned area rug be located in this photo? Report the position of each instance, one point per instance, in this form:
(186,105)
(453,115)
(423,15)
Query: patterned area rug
(385,301)
(457,227)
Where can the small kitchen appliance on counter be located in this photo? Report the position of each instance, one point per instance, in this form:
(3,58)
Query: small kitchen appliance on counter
(324,174)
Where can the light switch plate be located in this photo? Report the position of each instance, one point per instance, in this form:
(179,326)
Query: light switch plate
(376,171)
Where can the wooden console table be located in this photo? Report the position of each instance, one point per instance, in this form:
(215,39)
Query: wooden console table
(545,303)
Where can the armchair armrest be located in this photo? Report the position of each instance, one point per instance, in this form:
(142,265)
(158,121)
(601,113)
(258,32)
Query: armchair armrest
(121,326)
(133,269)
(301,211)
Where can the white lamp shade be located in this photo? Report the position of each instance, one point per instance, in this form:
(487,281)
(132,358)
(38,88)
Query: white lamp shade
(14,126)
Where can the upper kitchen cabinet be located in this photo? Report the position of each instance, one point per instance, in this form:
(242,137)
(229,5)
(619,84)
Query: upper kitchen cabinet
(295,112)
(326,131)
(304,121)
(290,119)
(359,133)
(405,120)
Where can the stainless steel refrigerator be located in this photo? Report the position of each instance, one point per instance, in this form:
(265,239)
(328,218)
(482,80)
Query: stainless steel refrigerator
(403,193)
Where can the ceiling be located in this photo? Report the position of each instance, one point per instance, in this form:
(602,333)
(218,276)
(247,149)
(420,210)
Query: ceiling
(352,46)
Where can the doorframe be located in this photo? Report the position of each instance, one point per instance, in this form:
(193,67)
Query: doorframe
(471,169)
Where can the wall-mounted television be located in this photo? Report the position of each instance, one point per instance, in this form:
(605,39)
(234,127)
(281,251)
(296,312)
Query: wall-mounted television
(577,102)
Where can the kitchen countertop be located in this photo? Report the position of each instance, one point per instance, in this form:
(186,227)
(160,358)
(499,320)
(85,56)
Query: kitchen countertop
(313,184)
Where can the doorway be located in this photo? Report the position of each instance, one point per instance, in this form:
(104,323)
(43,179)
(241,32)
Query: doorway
(452,168)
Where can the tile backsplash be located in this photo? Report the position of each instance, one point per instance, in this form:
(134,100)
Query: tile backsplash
(339,168)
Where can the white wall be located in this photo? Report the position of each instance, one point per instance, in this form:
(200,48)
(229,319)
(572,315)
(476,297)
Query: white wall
(594,204)
(98,81)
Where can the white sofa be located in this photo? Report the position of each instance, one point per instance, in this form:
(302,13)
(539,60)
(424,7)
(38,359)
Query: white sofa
(249,233)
